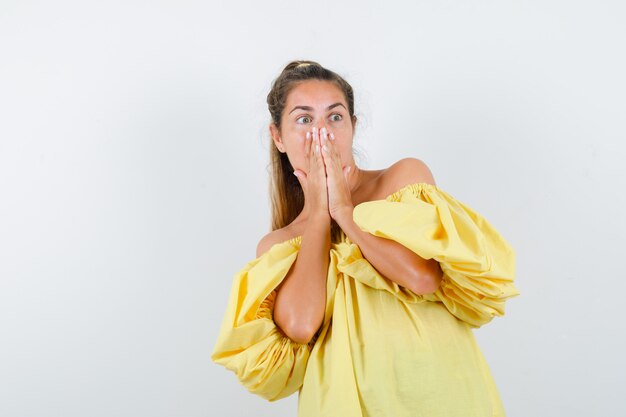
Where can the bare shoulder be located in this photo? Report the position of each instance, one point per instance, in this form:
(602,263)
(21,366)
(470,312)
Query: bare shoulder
(408,171)
(270,239)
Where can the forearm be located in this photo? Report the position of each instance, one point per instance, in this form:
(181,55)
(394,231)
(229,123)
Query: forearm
(301,299)
(393,260)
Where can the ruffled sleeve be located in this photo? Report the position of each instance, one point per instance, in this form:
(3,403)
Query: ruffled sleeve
(478,264)
(264,359)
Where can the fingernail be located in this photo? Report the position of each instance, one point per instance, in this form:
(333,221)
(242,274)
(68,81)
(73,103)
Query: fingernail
(332,136)
(308,135)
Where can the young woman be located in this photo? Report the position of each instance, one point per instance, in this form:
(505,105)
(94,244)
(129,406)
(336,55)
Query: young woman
(364,295)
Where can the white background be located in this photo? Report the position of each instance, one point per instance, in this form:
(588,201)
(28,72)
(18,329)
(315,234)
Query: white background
(133,184)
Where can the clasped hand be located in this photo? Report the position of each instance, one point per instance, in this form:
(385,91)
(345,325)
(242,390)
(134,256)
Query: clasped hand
(325,185)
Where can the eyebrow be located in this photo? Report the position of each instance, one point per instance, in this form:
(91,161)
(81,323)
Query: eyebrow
(308,108)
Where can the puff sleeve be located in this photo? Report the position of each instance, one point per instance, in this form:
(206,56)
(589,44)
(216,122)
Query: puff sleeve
(478,264)
(264,359)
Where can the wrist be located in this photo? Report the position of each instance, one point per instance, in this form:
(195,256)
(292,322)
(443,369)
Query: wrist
(343,215)
(320,218)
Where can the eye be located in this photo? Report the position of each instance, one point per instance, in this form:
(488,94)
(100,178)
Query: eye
(337,114)
(305,117)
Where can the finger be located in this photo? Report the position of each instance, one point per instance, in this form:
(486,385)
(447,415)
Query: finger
(336,168)
(302,179)
(329,151)
(335,152)
(316,137)
(322,172)
(324,147)
(314,148)
(315,142)
(307,142)
(307,150)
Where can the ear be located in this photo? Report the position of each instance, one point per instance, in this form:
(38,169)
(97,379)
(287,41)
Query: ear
(275,133)
(353,121)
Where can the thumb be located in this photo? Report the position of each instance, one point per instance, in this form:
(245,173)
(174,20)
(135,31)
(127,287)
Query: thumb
(300,175)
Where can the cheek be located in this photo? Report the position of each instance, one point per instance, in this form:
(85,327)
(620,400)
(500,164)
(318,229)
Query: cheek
(343,146)
(345,129)
(295,142)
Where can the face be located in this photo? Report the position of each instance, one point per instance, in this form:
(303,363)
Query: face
(314,103)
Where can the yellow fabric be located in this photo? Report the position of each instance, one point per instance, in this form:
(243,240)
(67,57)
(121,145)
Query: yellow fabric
(382,350)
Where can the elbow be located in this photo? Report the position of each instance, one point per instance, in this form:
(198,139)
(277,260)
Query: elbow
(296,331)
(429,281)
(299,334)
(297,327)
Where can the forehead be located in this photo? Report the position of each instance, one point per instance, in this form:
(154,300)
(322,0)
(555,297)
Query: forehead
(315,92)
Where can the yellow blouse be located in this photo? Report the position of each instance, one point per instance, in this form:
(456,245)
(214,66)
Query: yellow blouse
(382,350)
